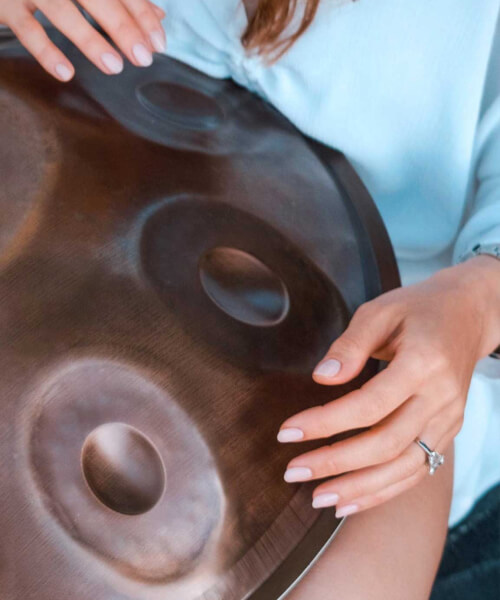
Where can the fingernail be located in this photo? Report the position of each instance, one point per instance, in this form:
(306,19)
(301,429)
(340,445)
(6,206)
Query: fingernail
(290,434)
(112,63)
(142,55)
(328,368)
(322,500)
(348,509)
(63,72)
(158,41)
(297,474)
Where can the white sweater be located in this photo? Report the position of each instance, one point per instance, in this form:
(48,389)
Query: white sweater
(409,91)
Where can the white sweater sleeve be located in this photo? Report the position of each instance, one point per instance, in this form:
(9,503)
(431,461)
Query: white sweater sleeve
(482,224)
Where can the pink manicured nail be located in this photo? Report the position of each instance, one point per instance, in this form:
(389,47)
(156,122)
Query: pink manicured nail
(348,509)
(63,72)
(290,434)
(328,368)
(158,41)
(323,500)
(142,55)
(297,474)
(112,63)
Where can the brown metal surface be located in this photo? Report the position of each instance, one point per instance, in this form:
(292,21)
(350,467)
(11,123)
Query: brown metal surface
(174,259)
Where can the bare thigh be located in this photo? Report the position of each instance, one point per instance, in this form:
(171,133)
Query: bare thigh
(390,552)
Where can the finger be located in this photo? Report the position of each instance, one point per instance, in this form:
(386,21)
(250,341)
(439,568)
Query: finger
(361,408)
(69,20)
(149,21)
(361,504)
(374,446)
(158,10)
(371,480)
(115,19)
(369,329)
(391,491)
(33,37)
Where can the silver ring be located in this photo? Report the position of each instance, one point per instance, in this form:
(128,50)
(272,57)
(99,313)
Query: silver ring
(434,459)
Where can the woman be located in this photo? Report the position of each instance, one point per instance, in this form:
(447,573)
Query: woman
(410,92)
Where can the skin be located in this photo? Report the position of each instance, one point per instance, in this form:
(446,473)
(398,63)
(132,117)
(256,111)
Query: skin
(390,552)
(432,334)
(133,25)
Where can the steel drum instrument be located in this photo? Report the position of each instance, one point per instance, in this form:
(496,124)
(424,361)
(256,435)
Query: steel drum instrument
(175,257)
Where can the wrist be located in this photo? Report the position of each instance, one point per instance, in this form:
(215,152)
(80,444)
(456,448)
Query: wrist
(481,276)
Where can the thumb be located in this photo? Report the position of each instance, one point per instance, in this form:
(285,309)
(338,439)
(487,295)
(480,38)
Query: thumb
(369,329)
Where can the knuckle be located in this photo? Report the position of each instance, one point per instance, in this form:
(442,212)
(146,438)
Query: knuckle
(23,26)
(379,497)
(458,425)
(331,463)
(369,415)
(321,419)
(89,42)
(448,393)
(392,444)
(146,16)
(346,344)
(372,409)
(125,30)
(23,23)
(364,311)
(420,362)
(438,362)
(354,489)
(44,53)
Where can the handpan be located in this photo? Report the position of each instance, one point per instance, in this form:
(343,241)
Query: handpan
(174,260)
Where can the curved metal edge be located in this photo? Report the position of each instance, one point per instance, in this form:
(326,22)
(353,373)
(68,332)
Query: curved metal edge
(315,559)
(373,237)
(301,559)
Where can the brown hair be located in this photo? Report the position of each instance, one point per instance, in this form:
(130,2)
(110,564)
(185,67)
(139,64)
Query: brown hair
(264,32)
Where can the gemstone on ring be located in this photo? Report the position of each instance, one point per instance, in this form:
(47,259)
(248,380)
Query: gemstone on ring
(434,459)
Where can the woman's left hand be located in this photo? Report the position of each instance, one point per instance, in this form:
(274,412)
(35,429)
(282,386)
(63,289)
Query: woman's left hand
(432,334)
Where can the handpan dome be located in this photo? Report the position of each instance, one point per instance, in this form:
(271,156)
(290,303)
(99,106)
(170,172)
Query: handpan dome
(174,259)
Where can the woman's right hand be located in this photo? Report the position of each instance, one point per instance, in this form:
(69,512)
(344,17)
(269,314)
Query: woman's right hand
(133,25)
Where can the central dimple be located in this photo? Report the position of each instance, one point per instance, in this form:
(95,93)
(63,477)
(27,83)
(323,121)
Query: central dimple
(123,468)
(243,287)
